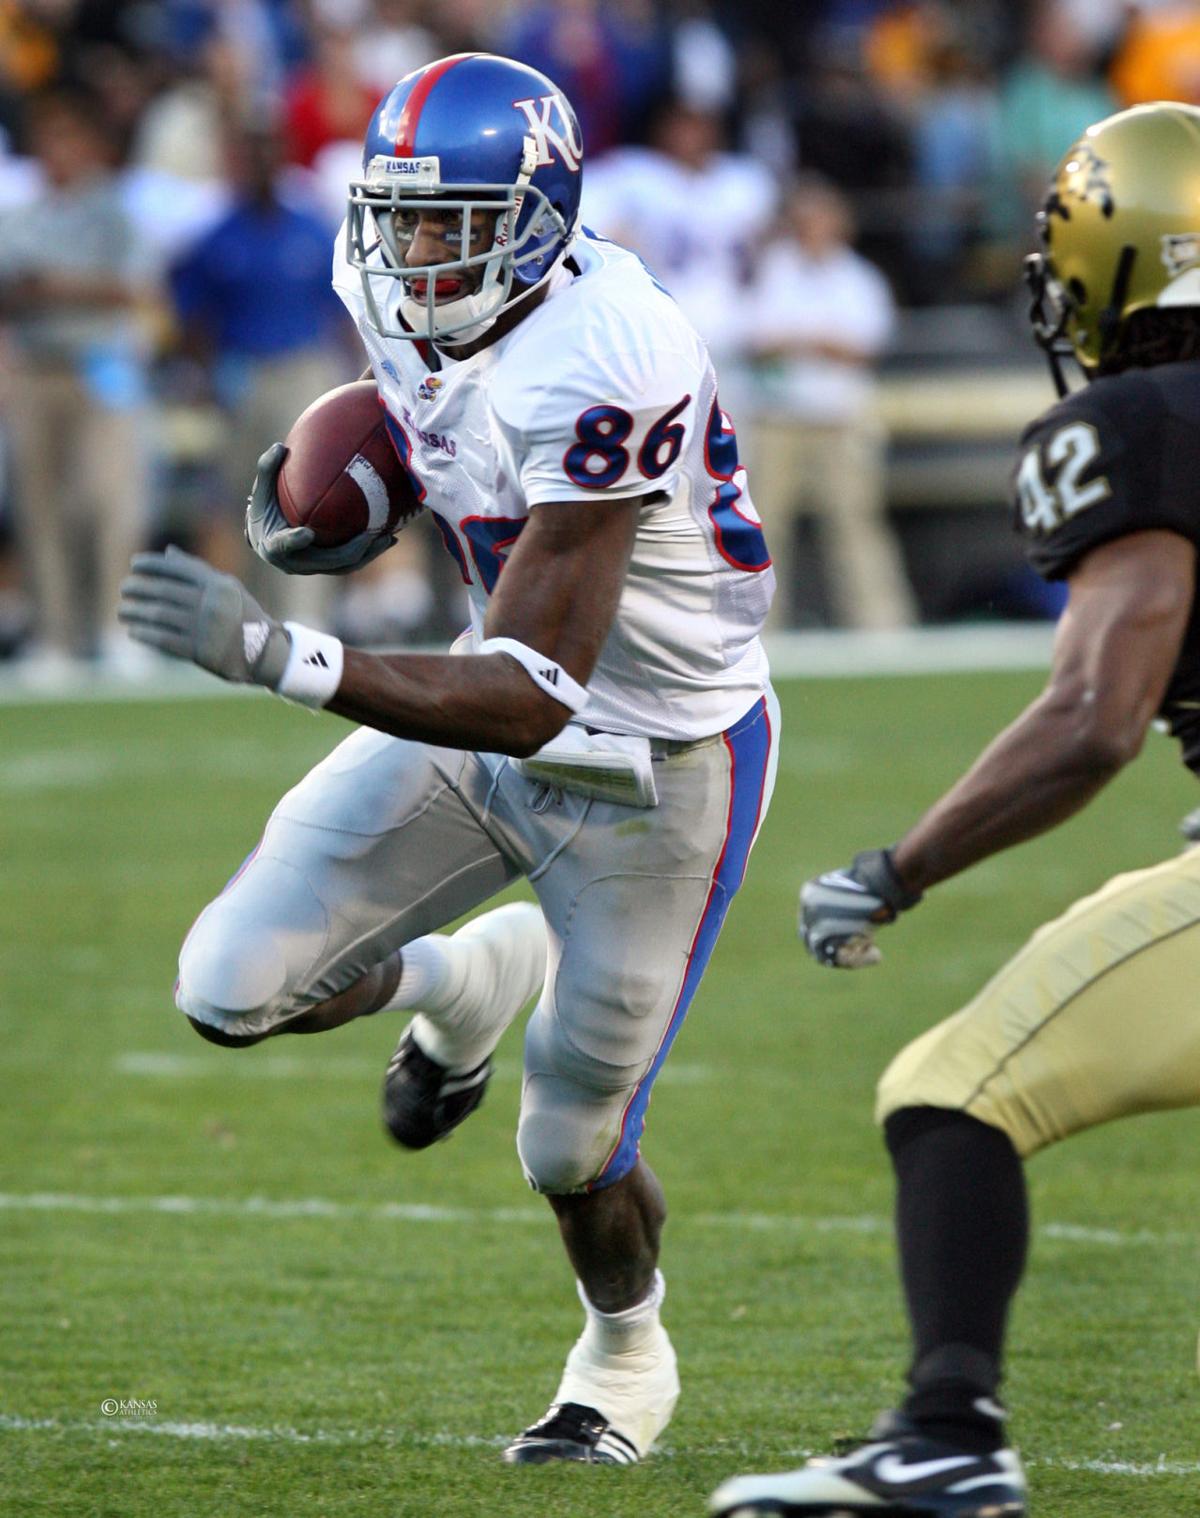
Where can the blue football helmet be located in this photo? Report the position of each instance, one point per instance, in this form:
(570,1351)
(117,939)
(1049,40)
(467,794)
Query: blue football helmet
(495,148)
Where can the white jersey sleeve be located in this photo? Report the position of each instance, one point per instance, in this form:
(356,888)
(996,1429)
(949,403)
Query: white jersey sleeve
(603,405)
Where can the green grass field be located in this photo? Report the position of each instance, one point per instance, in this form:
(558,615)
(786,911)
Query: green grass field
(329,1326)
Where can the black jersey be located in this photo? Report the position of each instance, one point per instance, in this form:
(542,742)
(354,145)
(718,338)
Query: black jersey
(1121,455)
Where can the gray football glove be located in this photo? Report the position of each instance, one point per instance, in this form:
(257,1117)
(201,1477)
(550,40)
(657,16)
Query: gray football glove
(290,548)
(840,910)
(177,603)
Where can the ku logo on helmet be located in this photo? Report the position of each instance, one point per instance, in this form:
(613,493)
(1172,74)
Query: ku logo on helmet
(549,139)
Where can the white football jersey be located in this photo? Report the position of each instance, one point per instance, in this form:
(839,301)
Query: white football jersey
(602,391)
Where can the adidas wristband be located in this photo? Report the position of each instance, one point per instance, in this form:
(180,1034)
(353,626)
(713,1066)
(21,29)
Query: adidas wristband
(314,668)
(544,672)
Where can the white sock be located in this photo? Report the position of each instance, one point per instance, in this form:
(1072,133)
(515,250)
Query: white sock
(630,1331)
(432,978)
(423,965)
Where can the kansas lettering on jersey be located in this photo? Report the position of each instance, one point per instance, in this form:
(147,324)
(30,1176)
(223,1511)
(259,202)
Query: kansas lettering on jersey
(604,391)
(1120,456)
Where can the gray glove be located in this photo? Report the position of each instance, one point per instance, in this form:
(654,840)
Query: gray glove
(179,604)
(290,548)
(840,910)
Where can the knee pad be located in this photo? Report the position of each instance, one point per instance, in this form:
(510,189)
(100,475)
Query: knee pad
(226,973)
(240,964)
(565,1134)
(573,1105)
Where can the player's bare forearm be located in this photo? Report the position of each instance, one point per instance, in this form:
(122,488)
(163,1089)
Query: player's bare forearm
(1116,647)
(1035,775)
(485,702)
(558,595)
(561,586)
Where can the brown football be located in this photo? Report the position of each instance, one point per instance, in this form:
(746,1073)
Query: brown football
(342,475)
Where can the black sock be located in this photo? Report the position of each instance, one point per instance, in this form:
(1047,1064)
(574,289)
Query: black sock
(962,1224)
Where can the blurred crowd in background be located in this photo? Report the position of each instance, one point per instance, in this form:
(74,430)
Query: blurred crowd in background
(809,178)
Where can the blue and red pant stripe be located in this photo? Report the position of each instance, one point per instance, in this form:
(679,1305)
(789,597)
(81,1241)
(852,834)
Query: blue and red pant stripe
(748,743)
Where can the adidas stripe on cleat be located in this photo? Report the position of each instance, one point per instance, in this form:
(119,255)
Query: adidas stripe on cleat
(570,1431)
(610,1406)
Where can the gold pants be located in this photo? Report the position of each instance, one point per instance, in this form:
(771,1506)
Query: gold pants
(1097,1017)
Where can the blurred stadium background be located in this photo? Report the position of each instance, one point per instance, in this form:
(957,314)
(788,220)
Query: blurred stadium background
(838,191)
(231,1239)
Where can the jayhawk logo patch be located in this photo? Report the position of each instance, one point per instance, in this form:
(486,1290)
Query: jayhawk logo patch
(429,387)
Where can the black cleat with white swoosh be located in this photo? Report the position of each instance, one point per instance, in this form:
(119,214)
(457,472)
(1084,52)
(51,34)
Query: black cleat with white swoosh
(905,1475)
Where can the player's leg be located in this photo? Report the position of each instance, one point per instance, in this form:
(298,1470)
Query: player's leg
(634,917)
(468,988)
(329,921)
(1091,1021)
(379,845)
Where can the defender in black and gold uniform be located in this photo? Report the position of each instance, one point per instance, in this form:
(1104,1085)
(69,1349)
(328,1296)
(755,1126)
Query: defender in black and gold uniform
(1097,1016)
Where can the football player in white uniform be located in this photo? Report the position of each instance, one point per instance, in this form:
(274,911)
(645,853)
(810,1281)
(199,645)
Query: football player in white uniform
(608,730)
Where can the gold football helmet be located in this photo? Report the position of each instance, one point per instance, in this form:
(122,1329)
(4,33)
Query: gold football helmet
(1120,233)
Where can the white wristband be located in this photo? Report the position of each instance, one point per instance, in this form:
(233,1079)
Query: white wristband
(544,672)
(314,668)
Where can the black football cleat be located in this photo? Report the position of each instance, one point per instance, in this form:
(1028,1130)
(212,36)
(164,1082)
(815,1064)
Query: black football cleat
(422,1100)
(570,1431)
(902,1474)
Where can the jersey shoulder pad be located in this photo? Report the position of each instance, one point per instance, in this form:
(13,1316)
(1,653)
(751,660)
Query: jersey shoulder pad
(1090,469)
(345,279)
(609,339)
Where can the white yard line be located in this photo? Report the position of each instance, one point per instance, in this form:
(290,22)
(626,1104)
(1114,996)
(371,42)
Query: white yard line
(154,1064)
(418,1212)
(234,1433)
(1160,1467)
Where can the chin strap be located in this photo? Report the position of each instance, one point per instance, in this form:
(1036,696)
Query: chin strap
(1109,320)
